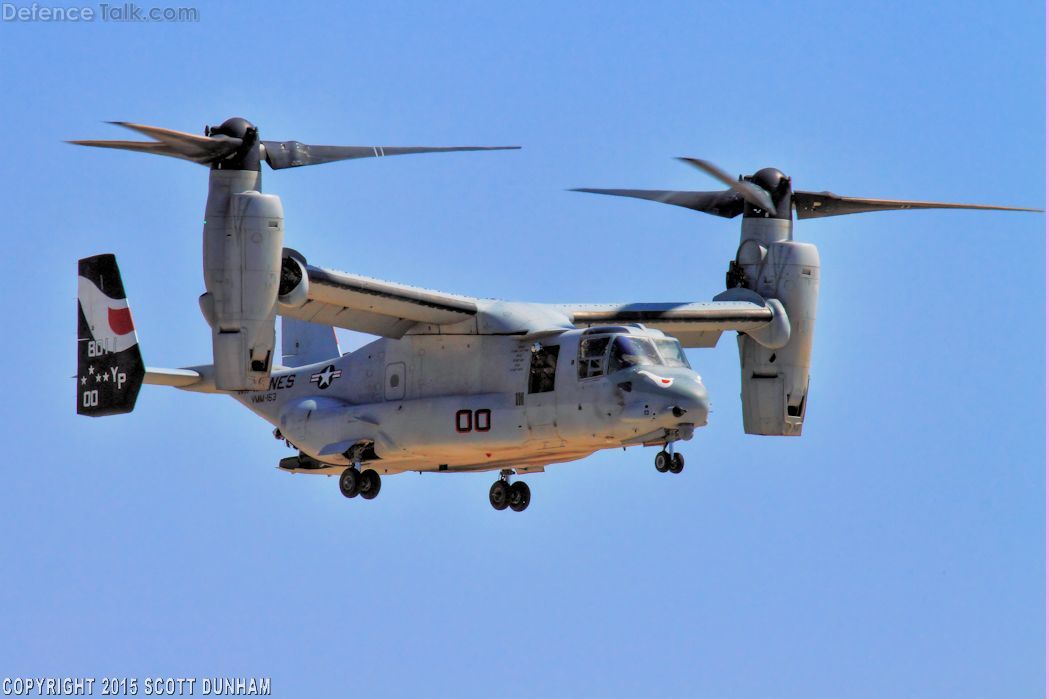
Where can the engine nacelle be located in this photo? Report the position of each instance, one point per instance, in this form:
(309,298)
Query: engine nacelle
(243,240)
(775,381)
(294,288)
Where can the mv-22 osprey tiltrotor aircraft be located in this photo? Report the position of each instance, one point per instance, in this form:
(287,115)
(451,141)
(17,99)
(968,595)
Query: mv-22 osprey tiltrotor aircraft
(456,383)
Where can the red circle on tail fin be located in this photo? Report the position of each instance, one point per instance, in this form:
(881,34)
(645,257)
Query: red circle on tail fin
(120,320)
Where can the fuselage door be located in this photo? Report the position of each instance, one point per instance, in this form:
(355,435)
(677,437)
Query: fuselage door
(541,399)
(395,379)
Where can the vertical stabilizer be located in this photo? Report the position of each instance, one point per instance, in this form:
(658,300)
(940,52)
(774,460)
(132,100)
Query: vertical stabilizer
(109,364)
(303,342)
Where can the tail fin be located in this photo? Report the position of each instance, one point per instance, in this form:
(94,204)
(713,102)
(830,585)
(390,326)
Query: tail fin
(303,342)
(109,365)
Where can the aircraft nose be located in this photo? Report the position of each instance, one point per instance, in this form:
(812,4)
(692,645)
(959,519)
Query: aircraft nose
(690,403)
(681,395)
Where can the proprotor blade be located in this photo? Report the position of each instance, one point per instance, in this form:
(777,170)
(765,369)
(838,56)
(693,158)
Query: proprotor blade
(176,144)
(726,203)
(820,204)
(751,192)
(285,154)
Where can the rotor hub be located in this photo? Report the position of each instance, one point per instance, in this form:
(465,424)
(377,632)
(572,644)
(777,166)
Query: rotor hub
(770,179)
(778,187)
(234,127)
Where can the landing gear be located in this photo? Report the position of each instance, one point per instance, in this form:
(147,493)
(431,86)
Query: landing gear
(670,461)
(503,494)
(350,482)
(499,495)
(677,463)
(520,496)
(370,484)
(353,483)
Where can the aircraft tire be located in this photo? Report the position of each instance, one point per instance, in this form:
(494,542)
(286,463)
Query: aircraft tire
(677,464)
(499,495)
(370,484)
(520,496)
(350,482)
(663,462)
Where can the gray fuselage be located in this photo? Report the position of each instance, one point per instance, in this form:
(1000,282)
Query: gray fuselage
(482,402)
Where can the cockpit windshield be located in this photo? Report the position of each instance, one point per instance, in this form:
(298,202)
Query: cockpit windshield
(609,353)
(628,351)
(671,352)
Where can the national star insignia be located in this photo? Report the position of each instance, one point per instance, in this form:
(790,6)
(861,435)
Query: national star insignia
(325,378)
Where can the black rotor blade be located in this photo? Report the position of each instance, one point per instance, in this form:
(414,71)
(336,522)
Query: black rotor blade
(820,204)
(749,191)
(175,144)
(285,154)
(727,203)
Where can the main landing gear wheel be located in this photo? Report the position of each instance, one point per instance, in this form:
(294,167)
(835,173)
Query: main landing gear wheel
(677,462)
(370,483)
(663,462)
(499,495)
(350,482)
(520,496)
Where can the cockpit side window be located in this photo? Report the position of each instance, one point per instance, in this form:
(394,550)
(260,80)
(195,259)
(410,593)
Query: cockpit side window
(671,352)
(592,356)
(632,351)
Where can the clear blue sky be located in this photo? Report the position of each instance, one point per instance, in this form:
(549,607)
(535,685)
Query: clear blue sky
(897,549)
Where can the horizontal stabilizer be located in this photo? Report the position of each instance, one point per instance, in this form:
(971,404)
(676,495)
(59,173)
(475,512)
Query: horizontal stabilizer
(178,378)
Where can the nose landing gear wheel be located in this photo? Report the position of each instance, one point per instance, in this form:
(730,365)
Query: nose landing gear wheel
(520,496)
(349,482)
(677,463)
(370,483)
(499,495)
(663,462)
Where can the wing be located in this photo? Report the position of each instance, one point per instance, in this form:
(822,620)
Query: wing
(388,309)
(694,324)
(374,306)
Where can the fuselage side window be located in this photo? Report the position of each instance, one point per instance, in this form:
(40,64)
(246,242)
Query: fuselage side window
(542,370)
(592,356)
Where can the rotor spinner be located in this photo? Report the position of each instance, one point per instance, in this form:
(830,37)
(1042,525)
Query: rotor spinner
(247,155)
(778,187)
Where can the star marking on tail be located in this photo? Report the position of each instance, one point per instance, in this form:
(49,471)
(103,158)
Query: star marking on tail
(325,378)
